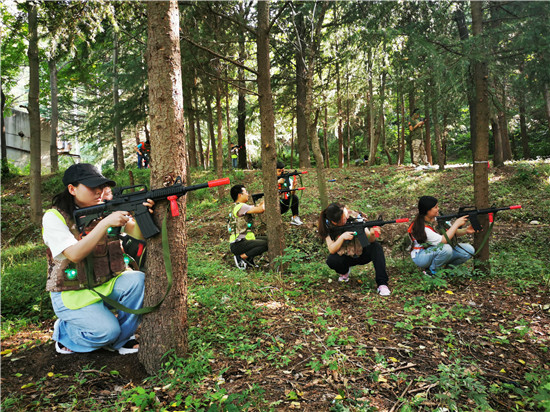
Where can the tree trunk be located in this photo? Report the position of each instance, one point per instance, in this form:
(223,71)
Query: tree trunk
(5,164)
(437,132)
(498,156)
(523,128)
(241,106)
(481,146)
(301,96)
(546,95)
(34,116)
(166,328)
(325,137)
(199,137)
(319,161)
(54,122)
(339,115)
(190,113)
(228,125)
(211,132)
(275,232)
(403,125)
(219,162)
(428,138)
(117,129)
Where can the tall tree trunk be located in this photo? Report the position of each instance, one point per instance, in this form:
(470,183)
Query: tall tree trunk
(319,161)
(325,130)
(301,97)
(34,116)
(199,137)
(219,162)
(437,132)
(5,164)
(241,106)
(52,64)
(381,120)
(523,128)
(275,232)
(117,129)
(166,328)
(546,95)
(211,132)
(428,138)
(403,126)
(228,125)
(481,146)
(339,114)
(188,89)
(498,155)
(460,20)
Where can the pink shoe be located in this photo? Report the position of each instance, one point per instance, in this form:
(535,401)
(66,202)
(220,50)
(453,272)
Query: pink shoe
(345,278)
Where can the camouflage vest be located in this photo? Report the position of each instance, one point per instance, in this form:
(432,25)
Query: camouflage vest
(352,247)
(108,261)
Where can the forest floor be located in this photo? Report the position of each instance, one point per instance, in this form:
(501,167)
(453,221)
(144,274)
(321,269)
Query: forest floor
(311,343)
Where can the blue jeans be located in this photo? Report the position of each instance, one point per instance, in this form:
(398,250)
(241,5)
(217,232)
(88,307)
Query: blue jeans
(234,162)
(443,254)
(140,161)
(95,326)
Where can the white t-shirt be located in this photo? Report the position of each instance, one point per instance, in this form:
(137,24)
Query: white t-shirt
(56,235)
(432,238)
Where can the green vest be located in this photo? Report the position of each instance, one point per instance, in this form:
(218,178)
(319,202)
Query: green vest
(239,225)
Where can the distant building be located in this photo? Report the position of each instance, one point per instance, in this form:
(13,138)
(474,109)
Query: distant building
(18,140)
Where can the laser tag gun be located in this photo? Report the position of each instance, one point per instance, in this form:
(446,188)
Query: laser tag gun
(132,201)
(358,226)
(289,174)
(473,213)
(257,196)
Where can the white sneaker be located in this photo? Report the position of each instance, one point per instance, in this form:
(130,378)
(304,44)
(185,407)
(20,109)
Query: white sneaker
(383,290)
(239,262)
(345,278)
(296,221)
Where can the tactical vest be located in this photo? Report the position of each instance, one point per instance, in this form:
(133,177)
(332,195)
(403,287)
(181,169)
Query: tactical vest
(239,225)
(352,247)
(415,245)
(107,261)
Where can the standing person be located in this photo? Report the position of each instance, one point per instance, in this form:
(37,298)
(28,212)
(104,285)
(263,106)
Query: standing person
(234,155)
(429,249)
(243,243)
(346,250)
(289,200)
(140,154)
(416,128)
(78,263)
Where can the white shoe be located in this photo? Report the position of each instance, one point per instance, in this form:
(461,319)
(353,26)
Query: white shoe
(383,290)
(239,262)
(345,277)
(296,221)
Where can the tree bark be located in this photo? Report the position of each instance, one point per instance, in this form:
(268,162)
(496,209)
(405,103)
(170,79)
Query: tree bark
(546,95)
(5,164)
(117,129)
(274,223)
(437,132)
(498,157)
(339,114)
(166,328)
(219,162)
(428,137)
(54,122)
(241,105)
(199,137)
(301,96)
(190,113)
(34,116)
(211,133)
(481,146)
(523,128)
(325,138)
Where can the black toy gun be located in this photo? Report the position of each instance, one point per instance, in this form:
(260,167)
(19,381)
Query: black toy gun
(472,214)
(289,174)
(358,227)
(132,201)
(257,196)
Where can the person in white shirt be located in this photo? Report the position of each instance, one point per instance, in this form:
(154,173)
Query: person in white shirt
(430,250)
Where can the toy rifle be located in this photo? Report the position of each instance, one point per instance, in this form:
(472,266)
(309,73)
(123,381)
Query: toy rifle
(473,213)
(358,226)
(132,201)
(257,196)
(289,174)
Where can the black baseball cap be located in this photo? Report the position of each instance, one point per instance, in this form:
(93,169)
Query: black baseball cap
(86,174)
